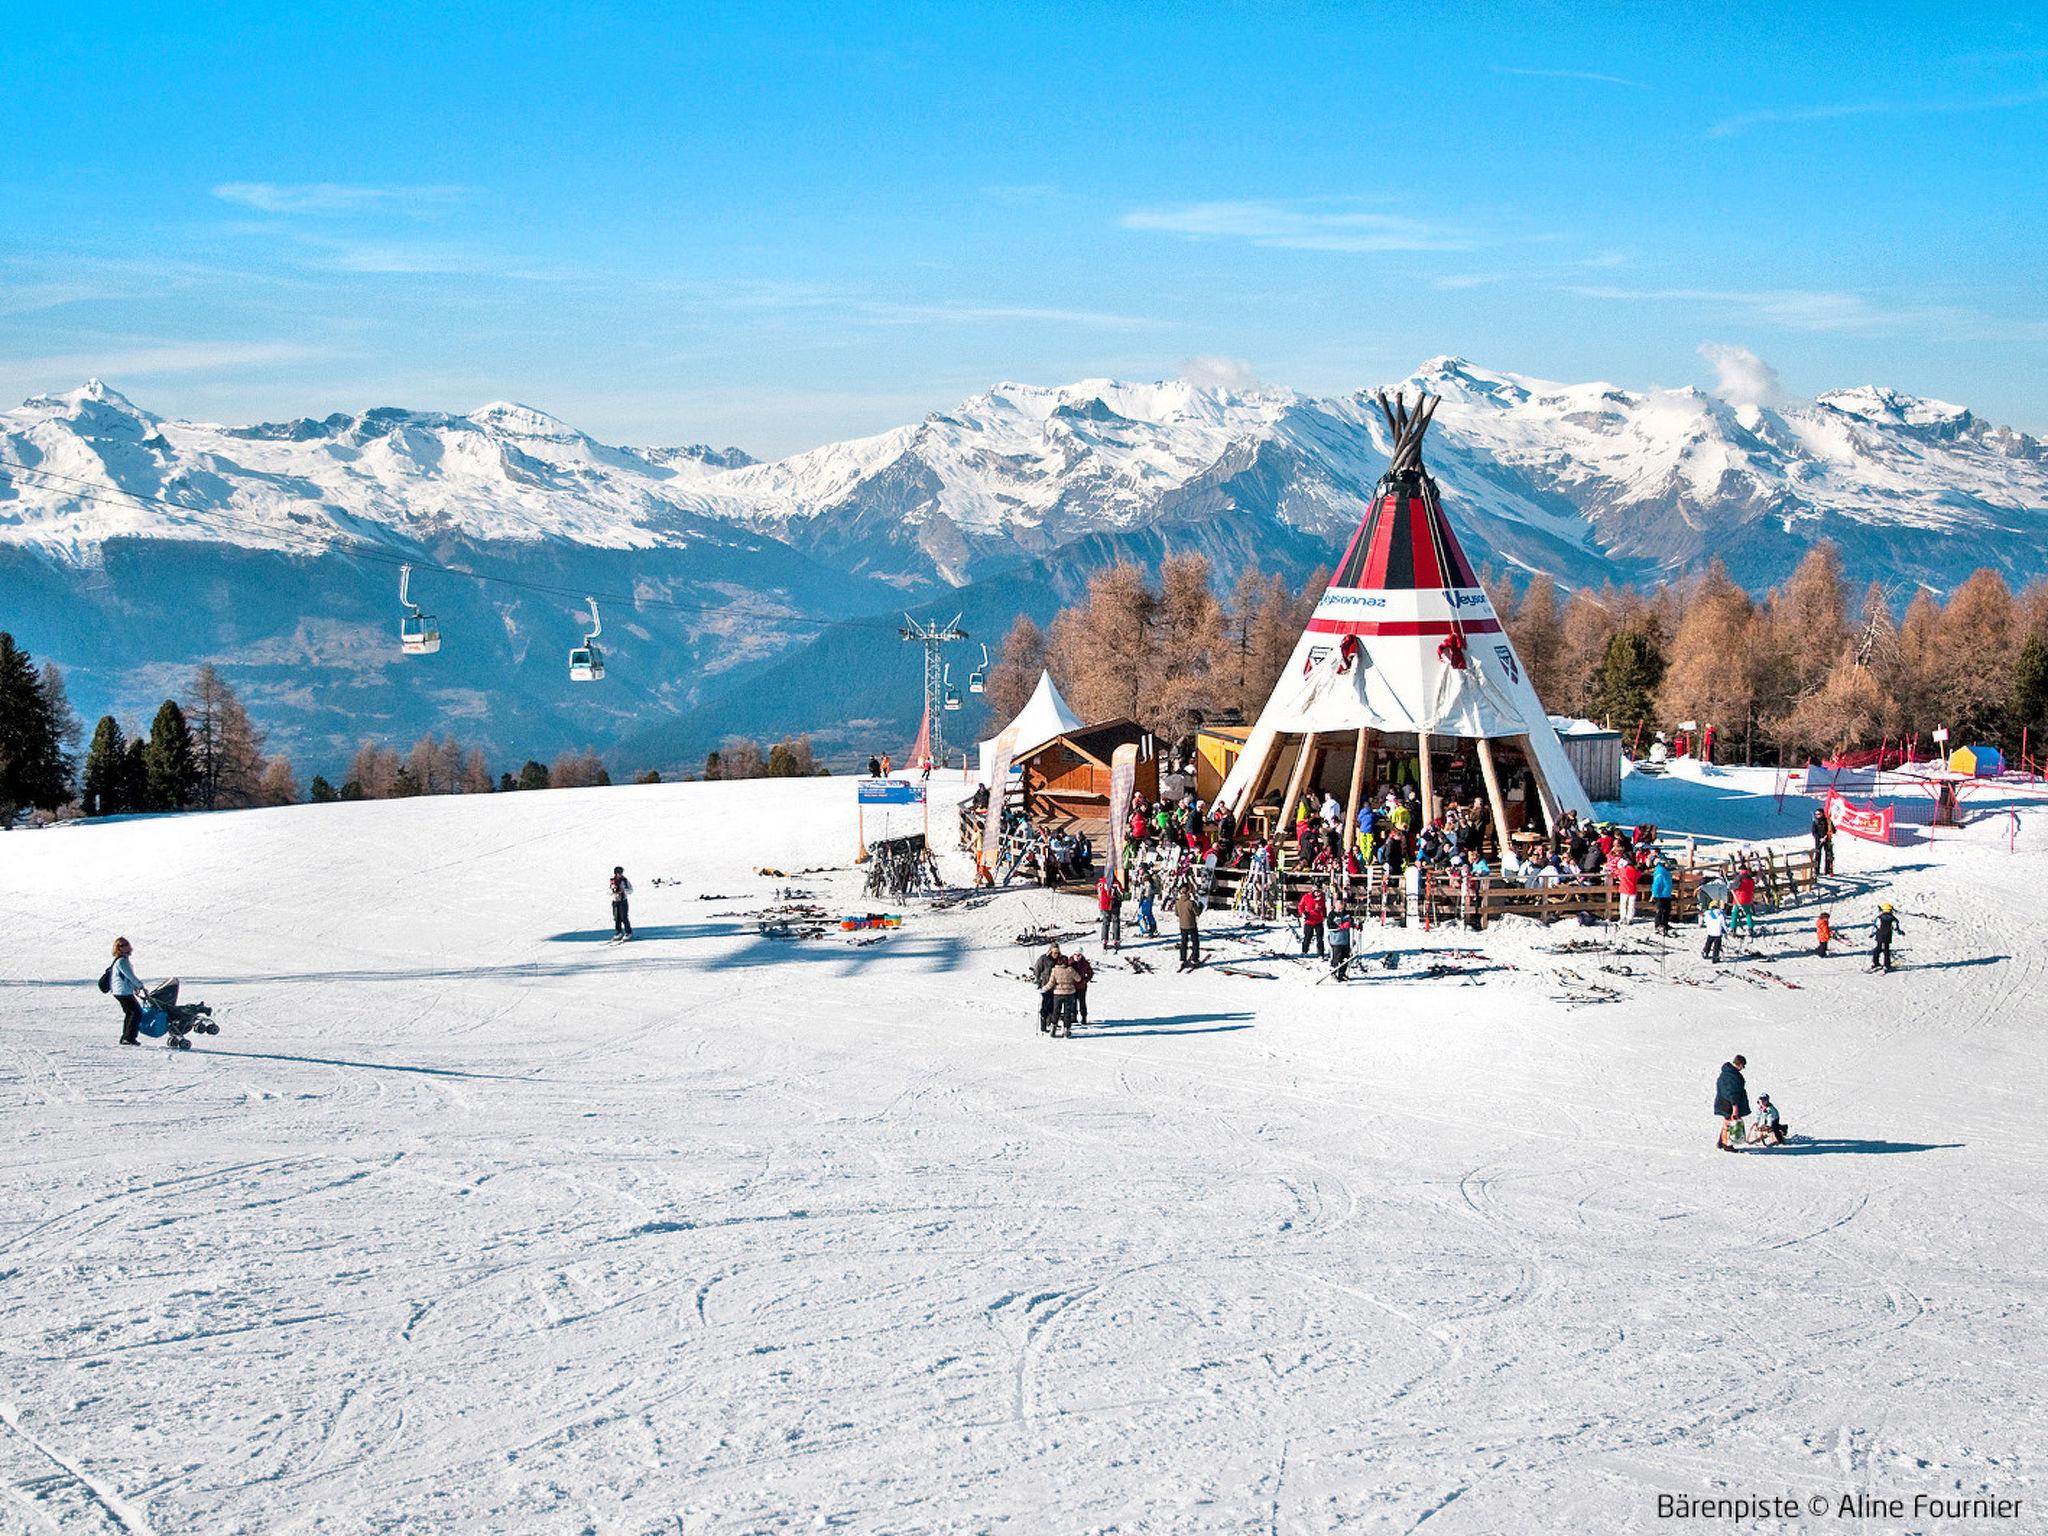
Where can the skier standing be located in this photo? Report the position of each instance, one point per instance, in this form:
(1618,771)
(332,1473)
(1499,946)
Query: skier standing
(1823,843)
(1148,892)
(1630,880)
(1188,913)
(121,982)
(1312,910)
(1109,897)
(621,889)
(1743,919)
(1881,948)
(1731,1098)
(1660,895)
(1084,973)
(1716,924)
(1041,977)
(1064,988)
(1340,937)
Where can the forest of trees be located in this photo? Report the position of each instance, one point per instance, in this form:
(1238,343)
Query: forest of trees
(202,752)
(1806,669)
(742,758)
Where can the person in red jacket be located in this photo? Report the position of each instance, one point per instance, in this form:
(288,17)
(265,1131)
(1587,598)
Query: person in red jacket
(1629,876)
(1109,900)
(1312,910)
(1744,920)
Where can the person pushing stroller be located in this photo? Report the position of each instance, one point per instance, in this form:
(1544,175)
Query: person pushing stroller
(153,1011)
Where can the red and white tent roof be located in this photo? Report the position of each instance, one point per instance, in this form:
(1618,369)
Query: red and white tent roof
(1405,640)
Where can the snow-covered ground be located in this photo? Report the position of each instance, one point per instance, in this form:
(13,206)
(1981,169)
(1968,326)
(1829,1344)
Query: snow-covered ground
(469,1222)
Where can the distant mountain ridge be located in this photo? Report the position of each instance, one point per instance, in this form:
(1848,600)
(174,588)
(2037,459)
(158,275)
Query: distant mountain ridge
(1010,497)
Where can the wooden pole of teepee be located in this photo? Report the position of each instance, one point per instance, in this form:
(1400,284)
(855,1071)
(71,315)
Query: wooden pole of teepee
(1500,810)
(1308,751)
(1428,780)
(1261,776)
(1543,795)
(1357,785)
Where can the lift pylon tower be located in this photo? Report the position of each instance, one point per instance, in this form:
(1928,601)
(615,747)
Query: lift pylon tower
(933,637)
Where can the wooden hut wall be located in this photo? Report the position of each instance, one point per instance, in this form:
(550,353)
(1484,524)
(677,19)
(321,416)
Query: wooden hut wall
(1596,758)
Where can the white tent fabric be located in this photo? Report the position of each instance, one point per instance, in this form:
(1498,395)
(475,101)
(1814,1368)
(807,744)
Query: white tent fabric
(1398,683)
(1045,716)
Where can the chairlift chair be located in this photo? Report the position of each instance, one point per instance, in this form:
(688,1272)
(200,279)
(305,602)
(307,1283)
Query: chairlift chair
(418,634)
(586,661)
(977,680)
(952,695)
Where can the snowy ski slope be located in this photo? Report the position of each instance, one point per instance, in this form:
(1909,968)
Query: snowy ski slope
(468,1222)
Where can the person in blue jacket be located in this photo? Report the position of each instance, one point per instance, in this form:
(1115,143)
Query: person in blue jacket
(1731,1098)
(1661,886)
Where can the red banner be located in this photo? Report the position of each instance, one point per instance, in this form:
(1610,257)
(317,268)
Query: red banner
(1871,822)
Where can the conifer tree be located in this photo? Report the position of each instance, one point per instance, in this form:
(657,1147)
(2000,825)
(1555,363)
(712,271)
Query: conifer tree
(106,770)
(135,775)
(320,792)
(34,770)
(2028,723)
(63,718)
(170,768)
(1629,677)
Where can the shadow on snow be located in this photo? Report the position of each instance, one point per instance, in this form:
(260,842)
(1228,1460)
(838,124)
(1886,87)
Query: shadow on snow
(1819,1146)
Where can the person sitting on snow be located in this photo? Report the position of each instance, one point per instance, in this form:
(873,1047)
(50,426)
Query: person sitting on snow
(1767,1128)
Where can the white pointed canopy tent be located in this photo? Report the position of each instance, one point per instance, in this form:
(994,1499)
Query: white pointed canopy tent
(1043,717)
(1403,670)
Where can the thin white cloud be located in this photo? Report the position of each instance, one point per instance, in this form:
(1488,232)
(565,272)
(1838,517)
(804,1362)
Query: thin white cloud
(1570,74)
(1797,309)
(957,314)
(145,361)
(1741,377)
(1297,227)
(1212,372)
(404,259)
(28,298)
(334,197)
(1742,122)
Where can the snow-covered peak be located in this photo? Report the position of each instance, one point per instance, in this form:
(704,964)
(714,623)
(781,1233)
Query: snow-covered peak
(510,419)
(1588,479)
(94,408)
(1874,403)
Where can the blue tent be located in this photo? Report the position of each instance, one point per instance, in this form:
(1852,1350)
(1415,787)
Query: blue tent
(1978,762)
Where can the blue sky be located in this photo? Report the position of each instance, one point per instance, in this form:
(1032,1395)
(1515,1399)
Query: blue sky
(776,226)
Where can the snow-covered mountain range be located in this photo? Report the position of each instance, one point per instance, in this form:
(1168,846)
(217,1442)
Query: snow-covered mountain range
(137,544)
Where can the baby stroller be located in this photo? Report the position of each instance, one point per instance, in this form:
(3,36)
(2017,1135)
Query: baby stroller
(165,1018)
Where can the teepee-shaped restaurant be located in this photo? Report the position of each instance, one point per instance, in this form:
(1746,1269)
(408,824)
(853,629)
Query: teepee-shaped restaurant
(1405,676)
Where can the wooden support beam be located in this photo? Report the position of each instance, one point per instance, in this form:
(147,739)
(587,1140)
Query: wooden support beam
(1543,795)
(1357,784)
(1308,751)
(1488,772)
(1428,780)
(1257,783)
